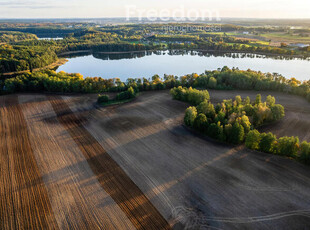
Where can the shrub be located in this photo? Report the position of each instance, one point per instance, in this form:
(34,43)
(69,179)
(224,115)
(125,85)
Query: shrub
(103,98)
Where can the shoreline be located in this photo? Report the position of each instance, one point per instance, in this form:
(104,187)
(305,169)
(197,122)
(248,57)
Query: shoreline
(299,56)
(59,62)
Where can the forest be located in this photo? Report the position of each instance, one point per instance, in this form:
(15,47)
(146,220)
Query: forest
(21,50)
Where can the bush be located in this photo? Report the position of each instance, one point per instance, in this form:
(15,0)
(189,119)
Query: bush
(103,98)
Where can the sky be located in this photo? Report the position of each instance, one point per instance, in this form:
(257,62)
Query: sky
(134,8)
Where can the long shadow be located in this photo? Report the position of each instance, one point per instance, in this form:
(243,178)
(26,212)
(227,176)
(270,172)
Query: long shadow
(110,175)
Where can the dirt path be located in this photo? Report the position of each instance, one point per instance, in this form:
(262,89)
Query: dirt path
(24,202)
(113,179)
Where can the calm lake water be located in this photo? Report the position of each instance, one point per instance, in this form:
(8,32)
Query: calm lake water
(179,63)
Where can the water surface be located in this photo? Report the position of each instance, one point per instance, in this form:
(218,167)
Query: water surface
(179,63)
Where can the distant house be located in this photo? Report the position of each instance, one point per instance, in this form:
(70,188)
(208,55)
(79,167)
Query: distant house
(246,33)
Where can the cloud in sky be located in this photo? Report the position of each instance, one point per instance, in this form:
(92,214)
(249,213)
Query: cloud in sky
(117,8)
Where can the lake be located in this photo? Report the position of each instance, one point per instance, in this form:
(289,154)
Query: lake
(178,63)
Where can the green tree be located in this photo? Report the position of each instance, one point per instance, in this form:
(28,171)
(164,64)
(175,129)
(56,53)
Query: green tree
(216,131)
(190,116)
(267,141)
(206,108)
(247,101)
(252,140)
(258,99)
(212,83)
(201,123)
(238,100)
(245,122)
(131,92)
(304,154)
(288,146)
(277,112)
(237,133)
(270,101)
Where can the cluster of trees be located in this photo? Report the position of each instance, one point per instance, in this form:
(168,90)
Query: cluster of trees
(50,81)
(130,93)
(284,146)
(231,121)
(235,122)
(193,96)
(9,36)
(243,47)
(19,57)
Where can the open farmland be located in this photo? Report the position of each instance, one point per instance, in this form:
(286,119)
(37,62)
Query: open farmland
(67,164)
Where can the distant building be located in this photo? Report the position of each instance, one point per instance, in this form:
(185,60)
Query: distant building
(246,33)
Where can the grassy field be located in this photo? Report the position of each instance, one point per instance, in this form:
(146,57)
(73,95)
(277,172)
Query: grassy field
(66,164)
(277,38)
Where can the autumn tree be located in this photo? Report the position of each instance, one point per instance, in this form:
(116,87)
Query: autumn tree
(190,116)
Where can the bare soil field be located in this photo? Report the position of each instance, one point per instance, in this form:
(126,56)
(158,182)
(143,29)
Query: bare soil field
(67,164)
(24,202)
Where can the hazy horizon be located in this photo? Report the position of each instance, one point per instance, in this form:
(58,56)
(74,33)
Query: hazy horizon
(255,9)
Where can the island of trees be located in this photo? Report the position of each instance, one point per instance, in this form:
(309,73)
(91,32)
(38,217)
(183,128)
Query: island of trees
(236,121)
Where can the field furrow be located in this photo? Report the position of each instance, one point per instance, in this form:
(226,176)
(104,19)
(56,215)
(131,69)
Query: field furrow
(113,179)
(77,198)
(24,203)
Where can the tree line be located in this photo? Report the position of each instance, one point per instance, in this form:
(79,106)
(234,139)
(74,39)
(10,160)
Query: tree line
(221,79)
